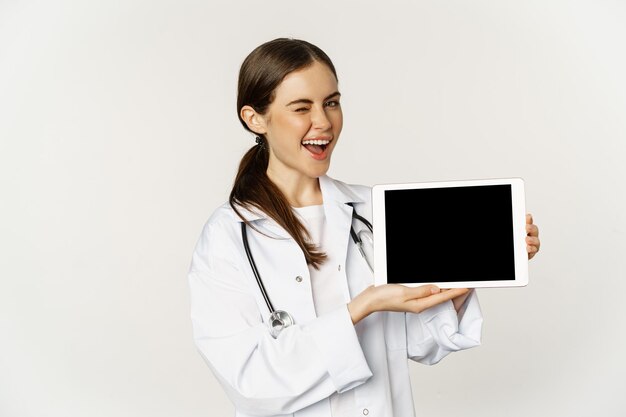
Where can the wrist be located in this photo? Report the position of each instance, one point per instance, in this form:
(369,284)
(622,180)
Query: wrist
(359,307)
(459,302)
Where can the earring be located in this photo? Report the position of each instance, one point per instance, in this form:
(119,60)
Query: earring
(260,142)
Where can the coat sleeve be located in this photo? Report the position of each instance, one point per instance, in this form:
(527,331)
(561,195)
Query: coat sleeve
(436,332)
(262,375)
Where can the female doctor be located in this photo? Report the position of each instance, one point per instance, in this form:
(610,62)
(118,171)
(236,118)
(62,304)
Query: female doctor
(336,345)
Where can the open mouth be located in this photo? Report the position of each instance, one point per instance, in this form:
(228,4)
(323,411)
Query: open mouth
(316,146)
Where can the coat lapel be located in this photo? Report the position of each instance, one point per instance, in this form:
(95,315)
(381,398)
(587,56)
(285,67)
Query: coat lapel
(339,218)
(286,276)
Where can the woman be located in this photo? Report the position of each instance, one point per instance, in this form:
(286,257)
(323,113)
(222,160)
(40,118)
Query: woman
(347,352)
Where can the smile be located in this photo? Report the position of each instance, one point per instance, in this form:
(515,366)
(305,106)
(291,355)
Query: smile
(316,142)
(316,147)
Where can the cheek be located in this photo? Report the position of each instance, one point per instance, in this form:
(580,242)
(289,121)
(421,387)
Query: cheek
(291,124)
(337,121)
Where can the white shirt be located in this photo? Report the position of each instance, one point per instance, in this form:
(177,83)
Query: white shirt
(326,289)
(325,281)
(298,372)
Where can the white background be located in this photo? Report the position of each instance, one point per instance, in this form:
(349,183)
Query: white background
(119,136)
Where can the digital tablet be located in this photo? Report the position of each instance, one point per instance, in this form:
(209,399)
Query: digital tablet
(455,234)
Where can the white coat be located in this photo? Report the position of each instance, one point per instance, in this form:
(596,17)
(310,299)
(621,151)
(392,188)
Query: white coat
(295,373)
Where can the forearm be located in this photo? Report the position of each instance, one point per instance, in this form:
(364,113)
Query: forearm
(397,297)
(459,301)
(360,306)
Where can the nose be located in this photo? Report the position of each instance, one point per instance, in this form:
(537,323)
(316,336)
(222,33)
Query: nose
(319,120)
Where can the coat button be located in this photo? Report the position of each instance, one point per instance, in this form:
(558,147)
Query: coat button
(339,267)
(366,411)
(299,278)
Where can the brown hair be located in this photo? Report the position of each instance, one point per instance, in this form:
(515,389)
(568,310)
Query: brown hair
(259,76)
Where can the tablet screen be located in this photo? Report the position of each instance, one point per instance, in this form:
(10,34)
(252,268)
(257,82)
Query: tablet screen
(450,234)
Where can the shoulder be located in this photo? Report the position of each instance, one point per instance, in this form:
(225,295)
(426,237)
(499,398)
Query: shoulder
(222,218)
(359,192)
(218,255)
(219,232)
(224,223)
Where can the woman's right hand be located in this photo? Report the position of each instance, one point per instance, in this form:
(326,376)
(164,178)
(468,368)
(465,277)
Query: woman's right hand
(397,297)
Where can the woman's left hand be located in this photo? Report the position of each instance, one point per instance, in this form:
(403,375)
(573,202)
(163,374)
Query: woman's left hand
(532,237)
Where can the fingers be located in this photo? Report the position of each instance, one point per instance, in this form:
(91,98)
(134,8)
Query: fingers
(397,297)
(421,291)
(532,237)
(532,230)
(421,304)
(455,292)
(430,290)
(393,297)
(532,241)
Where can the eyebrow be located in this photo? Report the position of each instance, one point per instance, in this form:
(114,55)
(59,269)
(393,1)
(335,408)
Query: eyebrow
(309,101)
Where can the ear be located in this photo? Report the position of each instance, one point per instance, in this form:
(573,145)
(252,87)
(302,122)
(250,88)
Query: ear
(254,120)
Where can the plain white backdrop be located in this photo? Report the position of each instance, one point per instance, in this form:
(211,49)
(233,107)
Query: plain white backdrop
(119,136)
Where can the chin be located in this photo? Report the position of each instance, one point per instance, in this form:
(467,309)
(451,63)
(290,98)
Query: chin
(320,170)
(316,173)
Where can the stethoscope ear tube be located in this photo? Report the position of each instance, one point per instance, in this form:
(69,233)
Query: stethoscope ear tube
(360,218)
(244,235)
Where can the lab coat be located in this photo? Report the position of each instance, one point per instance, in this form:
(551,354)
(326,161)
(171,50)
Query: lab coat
(295,373)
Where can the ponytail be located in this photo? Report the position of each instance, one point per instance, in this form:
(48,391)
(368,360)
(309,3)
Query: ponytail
(253,189)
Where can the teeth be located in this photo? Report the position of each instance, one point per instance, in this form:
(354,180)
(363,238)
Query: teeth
(315,142)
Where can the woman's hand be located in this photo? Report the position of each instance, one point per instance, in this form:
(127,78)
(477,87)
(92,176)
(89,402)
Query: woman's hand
(397,297)
(532,237)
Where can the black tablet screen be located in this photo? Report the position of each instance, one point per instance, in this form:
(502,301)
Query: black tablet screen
(449,234)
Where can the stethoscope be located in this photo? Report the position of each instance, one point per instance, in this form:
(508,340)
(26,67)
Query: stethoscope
(280,319)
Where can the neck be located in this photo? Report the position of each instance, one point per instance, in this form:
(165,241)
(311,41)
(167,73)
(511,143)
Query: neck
(300,191)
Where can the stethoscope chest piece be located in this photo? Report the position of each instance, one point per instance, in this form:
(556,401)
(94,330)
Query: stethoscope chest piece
(279,320)
(364,241)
